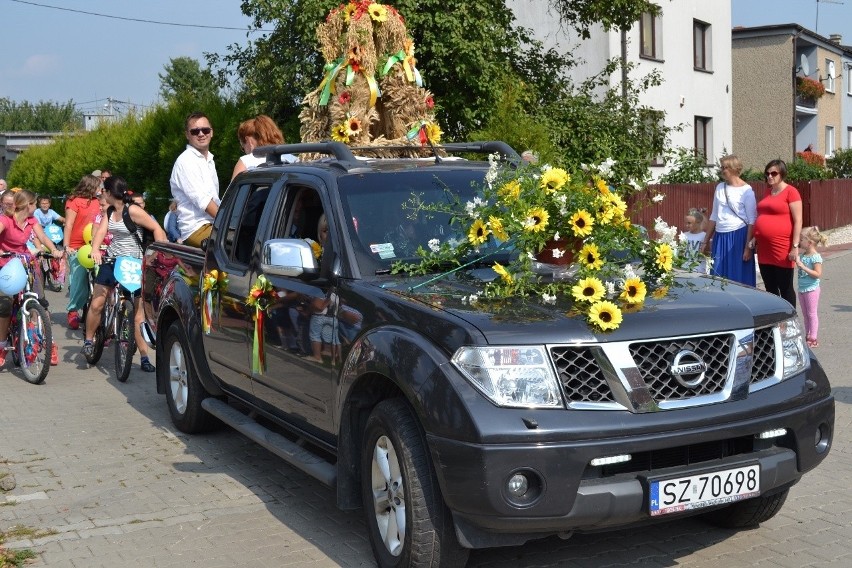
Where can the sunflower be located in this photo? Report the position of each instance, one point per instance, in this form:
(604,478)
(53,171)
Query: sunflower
(496,225)
(478,233)
(553,180)
(665,256)
(504,274)
(602,187)
(511,191)
(433,133)
(660,292)
(581,223)
(588,290)
(590,256)
(378,12)
(605,315)
(536,220)
(349,11)
(353,126)
(338,133)
(634,291)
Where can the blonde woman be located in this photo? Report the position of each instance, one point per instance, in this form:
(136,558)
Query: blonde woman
(731,225)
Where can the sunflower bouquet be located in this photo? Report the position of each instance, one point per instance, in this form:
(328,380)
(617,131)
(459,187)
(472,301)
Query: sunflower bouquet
(571,235)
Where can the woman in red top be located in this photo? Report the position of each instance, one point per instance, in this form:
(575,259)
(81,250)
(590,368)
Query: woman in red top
(80,210)
(15,232)
(777,230)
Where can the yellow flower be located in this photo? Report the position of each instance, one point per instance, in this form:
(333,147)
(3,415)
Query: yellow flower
(602,186)
(660,292)
(316,248)
(504,274)
(353,126)
(553,180)
(511,191)
(665,256)
(496,225)
(588,290)
(581,223)
(433,133)
(605,315)
(605,212)
(634,291)
(339,133)
(536,220)
(478,233)
(349,10)
(378,12)
(590,256)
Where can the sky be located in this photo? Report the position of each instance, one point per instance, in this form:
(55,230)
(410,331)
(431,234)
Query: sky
(93,50)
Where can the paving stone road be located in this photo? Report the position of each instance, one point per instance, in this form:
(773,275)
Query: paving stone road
(108,482)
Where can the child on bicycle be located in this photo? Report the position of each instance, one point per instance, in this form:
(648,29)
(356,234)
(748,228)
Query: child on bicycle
(123,243)
(15,232)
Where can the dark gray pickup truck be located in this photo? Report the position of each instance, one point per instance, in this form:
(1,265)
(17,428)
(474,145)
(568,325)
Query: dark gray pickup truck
(428,412)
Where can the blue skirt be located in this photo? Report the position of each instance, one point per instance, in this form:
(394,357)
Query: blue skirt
(728,257)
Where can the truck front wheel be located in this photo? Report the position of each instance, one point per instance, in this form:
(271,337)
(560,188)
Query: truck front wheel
(184,391)
(748,513)
(408,522)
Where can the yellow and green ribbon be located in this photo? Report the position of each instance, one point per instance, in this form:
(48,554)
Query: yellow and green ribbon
(213,285)
(259,298)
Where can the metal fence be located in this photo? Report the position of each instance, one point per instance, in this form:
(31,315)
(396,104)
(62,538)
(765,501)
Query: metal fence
(825,203)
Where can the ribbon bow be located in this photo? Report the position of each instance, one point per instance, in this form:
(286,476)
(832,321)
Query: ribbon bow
(411,72)
(213,285)
(260,297)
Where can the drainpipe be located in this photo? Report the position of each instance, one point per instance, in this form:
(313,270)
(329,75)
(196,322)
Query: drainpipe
(793,155)
(624,65)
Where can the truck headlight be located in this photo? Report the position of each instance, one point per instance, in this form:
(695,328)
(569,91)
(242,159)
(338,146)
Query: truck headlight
(511,376)
(796,358)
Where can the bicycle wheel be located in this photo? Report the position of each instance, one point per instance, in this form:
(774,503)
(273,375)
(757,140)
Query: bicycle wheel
(125,339)
(97,345)
(35,341)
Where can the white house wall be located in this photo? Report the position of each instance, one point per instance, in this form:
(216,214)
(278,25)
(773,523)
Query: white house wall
(685,92)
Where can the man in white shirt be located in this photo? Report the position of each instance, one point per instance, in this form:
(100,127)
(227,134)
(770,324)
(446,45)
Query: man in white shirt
(194,183)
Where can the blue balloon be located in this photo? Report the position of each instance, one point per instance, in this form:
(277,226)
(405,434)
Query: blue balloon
(13,277)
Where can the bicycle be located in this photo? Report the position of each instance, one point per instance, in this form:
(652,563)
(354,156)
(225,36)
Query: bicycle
(117,318)
(30,332)
(50,266)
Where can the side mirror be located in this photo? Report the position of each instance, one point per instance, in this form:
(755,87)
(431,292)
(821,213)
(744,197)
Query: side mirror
(288,257)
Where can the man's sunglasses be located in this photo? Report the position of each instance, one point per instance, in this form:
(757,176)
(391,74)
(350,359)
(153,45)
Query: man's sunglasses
(196,131)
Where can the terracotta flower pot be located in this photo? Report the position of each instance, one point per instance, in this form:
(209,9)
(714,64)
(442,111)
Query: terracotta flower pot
(569,246)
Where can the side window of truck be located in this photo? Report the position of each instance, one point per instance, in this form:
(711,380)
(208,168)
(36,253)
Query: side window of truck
(302,215)
(243,222)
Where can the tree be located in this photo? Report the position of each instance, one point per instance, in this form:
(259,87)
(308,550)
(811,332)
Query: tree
(184,77)
(43,116)
(610,14)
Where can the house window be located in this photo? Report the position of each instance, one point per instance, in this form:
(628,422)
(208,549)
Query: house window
(848,81)
(701,45)
(849,136)
(830,75)
(653,129)
(703,137)
(829,141)
(650,36)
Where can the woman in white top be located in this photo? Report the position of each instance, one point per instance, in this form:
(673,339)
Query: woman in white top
(731,225)
(123,243)
(255,132)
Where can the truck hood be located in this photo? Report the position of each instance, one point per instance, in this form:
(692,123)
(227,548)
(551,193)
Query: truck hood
(695,304)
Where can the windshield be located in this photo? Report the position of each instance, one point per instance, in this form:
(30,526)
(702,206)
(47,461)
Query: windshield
(384,225)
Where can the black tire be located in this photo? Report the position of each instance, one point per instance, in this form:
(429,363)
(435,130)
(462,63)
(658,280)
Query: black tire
(748,513)
(52,284)
(184,391)
(35,342)
(398,482)
(125,340)
(97,345)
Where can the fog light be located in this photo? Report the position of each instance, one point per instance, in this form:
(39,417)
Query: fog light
(776,433)
(518,485)
(609,460)
(822,438)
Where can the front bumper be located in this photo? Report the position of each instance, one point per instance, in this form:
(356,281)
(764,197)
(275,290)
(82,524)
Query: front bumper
(573,496)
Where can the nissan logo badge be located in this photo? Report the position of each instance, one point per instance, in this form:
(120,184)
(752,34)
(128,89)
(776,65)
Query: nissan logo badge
(688,369)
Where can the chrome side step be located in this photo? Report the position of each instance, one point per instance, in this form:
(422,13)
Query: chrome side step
(287,450)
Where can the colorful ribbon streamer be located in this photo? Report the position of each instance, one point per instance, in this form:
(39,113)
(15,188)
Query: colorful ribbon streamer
(260,297)
(411,72)
(213,285)
(327,85)
(375,93)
